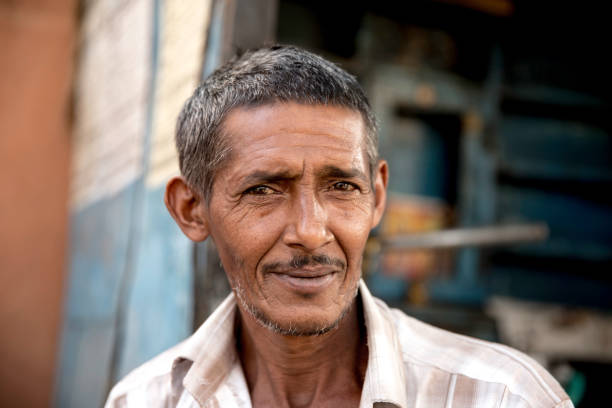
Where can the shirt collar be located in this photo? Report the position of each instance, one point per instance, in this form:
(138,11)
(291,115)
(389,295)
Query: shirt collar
(208,356)
(212,349)
(385,378)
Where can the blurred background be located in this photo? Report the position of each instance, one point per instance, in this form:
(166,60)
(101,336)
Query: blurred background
(494,117)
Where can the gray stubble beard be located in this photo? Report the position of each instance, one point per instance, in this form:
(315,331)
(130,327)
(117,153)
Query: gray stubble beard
(265,321)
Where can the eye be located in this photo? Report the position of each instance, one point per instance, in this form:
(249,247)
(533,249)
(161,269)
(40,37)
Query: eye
(259,190)
(344,186)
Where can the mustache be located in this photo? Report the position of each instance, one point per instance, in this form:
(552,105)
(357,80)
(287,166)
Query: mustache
(300,261)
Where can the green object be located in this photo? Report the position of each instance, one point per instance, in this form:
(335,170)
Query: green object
(575,387)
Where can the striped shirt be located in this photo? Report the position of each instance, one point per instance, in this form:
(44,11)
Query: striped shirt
(410,365)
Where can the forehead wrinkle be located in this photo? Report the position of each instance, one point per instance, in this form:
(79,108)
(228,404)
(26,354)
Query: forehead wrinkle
(261,144)
(352,119)
(318,132)
(343,131)
(335,134)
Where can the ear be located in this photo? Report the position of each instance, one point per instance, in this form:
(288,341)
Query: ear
(187,208)
(381,178)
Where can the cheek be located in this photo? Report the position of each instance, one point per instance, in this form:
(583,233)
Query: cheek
(243,242)
(351,230)
(357,215)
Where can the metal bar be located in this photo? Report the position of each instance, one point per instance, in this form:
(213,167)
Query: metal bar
(464,237)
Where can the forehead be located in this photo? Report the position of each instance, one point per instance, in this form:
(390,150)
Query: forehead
(287,132)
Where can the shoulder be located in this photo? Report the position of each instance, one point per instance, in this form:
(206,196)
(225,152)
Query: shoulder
(147,383)
(476,363)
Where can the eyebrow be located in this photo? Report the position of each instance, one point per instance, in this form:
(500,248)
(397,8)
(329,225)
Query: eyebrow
(337,172)
(262,176)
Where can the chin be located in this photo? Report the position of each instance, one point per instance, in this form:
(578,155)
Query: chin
(300,329)
(312,326)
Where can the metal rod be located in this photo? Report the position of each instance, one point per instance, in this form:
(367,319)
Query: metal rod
(462,237)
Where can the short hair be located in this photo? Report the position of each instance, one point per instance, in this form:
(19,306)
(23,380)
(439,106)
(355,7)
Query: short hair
(258,77)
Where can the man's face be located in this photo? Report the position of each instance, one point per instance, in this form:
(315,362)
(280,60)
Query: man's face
(291,210)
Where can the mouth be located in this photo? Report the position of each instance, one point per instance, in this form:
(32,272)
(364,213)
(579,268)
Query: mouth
(306,280)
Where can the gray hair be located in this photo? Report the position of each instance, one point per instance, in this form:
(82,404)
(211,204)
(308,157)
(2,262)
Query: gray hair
(258,77)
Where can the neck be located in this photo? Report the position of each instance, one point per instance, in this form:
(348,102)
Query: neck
(292,371)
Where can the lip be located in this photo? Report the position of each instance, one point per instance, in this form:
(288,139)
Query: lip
(305,280)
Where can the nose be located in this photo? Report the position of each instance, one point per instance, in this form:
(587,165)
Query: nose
(307,226)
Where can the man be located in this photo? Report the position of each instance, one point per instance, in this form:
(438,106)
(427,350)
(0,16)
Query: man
(278,154)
